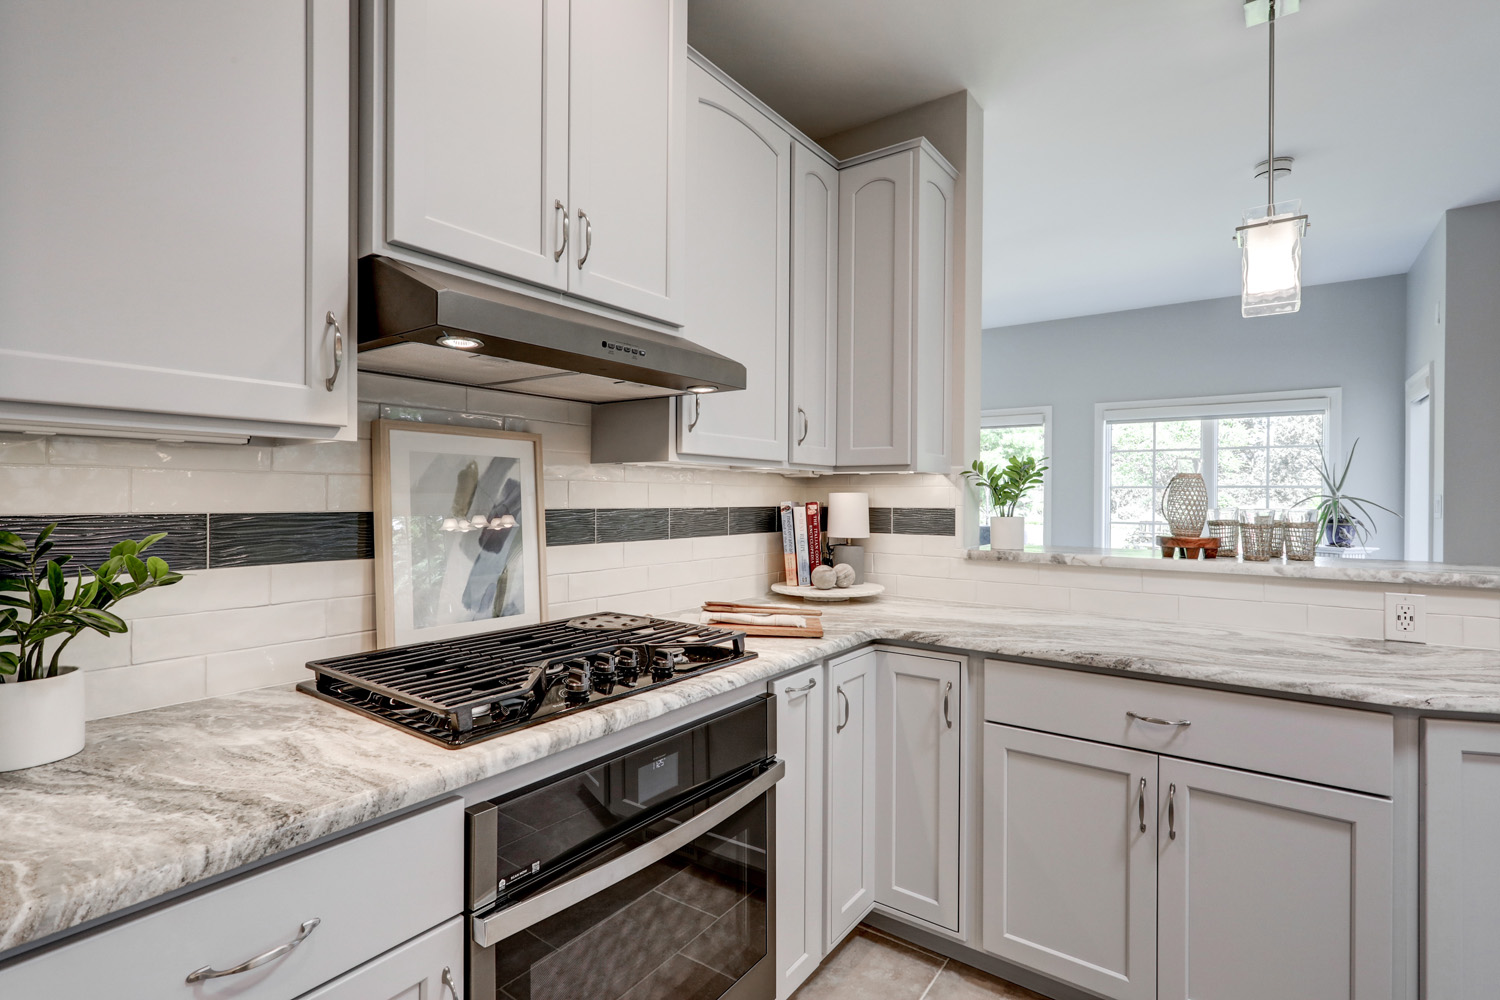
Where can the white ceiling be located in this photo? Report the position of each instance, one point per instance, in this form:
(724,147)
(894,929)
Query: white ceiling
(1120,137)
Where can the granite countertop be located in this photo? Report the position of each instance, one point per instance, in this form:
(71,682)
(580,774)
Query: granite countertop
(1412,574)
(161,799)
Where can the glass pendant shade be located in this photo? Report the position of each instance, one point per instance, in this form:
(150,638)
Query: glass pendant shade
(1271,260)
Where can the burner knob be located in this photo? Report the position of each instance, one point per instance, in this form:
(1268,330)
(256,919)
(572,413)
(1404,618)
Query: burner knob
(576,687)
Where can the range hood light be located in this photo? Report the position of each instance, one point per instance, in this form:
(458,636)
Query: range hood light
(460,343)
(700,389)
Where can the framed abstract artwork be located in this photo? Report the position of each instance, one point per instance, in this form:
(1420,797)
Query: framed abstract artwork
(459,540)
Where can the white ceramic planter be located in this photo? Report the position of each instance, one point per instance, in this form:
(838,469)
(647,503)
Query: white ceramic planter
(41,721)
(1007,532)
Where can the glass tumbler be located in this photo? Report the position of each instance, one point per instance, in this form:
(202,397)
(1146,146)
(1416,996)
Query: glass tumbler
(1257,530)
(1224,524)
(1301,528)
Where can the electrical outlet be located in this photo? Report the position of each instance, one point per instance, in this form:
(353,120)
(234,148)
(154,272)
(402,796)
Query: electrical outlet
(1406,617)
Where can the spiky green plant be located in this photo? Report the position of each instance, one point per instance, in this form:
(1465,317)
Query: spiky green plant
(36,606)
(1006,485)
(1335,507)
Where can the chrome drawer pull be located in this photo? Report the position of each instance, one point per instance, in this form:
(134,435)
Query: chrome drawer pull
(588,238)
(448,982)
(1172,811)
(557,206)
(209,972)
(1179,723)
(338,349)
(1142,806)
(946,717)
(804,688)
(845,697)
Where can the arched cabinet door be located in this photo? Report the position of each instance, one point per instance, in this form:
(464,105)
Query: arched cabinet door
(739,214)
(815,286)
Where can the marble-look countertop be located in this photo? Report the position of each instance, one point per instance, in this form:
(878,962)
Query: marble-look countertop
(160,799)
(1412,574)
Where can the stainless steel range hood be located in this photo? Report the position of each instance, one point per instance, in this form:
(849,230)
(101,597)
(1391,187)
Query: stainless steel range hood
(518,343)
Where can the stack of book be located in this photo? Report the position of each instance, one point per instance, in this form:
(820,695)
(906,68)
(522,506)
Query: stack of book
(801,540)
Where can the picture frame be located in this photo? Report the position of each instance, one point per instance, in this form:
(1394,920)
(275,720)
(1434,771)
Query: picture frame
(447,562)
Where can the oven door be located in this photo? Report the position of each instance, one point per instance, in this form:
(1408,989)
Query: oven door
(680,911)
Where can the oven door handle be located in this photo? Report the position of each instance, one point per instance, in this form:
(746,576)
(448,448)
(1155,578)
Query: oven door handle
(496,927)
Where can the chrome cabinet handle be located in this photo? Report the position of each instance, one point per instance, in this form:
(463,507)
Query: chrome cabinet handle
(697,412)
(338,349)
(588,237)
(557,206)
(448,982)
(806,425)
(1141,806)
(1172,811)
(1178,723)
(946,717)
(209,972)
(845,698)
(804,688)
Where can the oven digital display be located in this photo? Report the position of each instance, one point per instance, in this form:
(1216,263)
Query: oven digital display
(657,776)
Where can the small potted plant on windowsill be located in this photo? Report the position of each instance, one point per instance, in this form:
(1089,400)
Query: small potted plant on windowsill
(1004,487)
(41,698)
(1346,519)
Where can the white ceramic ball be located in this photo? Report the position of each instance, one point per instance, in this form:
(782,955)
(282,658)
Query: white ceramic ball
(843,575)
(824,577)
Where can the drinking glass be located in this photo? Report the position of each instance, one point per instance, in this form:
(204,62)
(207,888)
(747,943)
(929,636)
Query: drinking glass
(1257,529)
(1301,535)
(1224,524)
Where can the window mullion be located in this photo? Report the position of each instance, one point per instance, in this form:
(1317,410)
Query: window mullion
(1209,451)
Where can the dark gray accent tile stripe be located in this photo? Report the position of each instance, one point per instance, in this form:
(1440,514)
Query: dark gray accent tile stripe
(880,520)
(265,539)
(923,521)
(754,520)
(89,537)
(631,524)
(570,527)
(697,522)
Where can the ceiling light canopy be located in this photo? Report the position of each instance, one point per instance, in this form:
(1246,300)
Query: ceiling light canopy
(1270,239)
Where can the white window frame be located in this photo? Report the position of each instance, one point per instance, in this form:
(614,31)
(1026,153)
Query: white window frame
(1029,416)
(1328,401)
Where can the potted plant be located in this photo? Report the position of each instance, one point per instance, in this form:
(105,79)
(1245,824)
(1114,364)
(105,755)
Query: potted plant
(1345,519)
(41,698)
(1004,487)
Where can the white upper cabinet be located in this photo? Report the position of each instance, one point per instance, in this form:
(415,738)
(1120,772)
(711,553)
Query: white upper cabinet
(739,178)
(815,277)
(178,264)
(626,153)
(895,323)
(478,119)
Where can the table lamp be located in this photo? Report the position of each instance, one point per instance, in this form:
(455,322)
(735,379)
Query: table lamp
(849,518)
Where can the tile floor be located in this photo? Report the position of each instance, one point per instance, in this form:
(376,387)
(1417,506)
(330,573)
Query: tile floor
(871,966)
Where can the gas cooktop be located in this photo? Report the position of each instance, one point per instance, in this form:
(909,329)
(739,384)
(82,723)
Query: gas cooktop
(454,692)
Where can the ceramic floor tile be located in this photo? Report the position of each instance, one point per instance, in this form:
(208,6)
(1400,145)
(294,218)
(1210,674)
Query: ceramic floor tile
(960,982)
(869,966)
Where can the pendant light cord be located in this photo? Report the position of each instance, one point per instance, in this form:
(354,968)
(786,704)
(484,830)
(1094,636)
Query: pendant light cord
(1271,122)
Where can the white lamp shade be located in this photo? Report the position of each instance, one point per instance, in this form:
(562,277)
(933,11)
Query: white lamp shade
(849,515)
(1271,264)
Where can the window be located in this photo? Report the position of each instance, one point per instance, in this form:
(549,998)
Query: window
(1253,452)
(1003,433)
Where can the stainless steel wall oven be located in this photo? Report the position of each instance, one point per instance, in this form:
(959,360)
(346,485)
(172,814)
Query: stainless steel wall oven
(644,876)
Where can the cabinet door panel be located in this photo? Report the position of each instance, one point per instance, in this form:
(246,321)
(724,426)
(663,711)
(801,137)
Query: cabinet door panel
(917,853)
(478,133)
(1271,888)
(933,354)
(418,970)
(739,178)
(1069,875)
(626,155)
(186,225)
(850,793)
(799,828)
(814,292)
(875,322)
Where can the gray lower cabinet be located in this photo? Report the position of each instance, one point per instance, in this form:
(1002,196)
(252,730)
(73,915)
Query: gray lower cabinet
(1460,859)
(428,967)
(849,800)
(800,718)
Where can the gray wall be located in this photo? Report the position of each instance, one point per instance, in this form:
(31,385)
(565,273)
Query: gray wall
(1426,290)
(1350,334)
(1471,479)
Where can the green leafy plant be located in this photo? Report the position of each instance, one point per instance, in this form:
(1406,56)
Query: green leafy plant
(1336,509)
(1006,485)
(36,606)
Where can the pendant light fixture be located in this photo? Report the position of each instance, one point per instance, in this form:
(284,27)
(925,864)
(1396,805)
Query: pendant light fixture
(1270,239)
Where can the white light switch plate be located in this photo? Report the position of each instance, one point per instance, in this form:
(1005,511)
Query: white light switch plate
(1406,617)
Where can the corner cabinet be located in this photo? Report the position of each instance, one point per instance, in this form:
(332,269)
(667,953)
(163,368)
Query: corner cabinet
(895,311)
(542,141)
(179,265)
(815,313)
(849,816)
(799,827)
(919,716)
(739,179)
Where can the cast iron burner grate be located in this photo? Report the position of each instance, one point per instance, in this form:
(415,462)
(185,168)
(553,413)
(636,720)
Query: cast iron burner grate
(454,692)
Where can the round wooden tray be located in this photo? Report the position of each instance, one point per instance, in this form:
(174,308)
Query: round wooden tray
(836,594)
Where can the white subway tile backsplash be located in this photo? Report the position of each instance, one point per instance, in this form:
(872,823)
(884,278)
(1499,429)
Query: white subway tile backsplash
(568,609)
(1124,604)
(513,404)
(280,663)
(92,651)
(292,582)
(1370,597)
(586,558)
(1267,616)
(1445,630)
(680,495)
(588,493)
(22,449)
(604,583)
(411,392)
(659,550)
(161,490)
(204,590)
(1353,623)
(323,456)
(56,489)
(1472,603)
(1089,578)
(351,614)
(219,631)
(1022,595)
(557,587)
(1192,584)
(135,688)
(1482,633)
(350,493)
